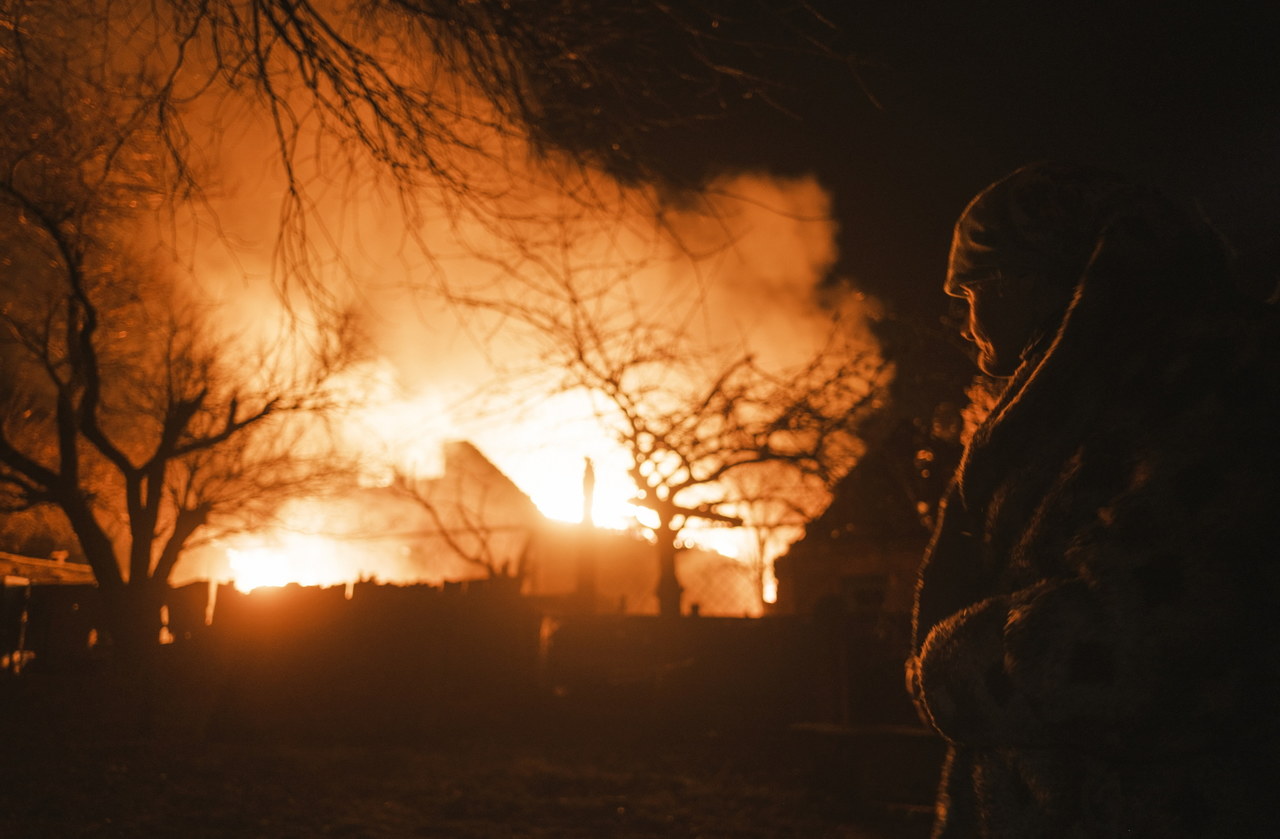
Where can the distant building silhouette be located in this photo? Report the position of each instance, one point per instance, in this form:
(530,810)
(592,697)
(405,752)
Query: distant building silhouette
(863,552)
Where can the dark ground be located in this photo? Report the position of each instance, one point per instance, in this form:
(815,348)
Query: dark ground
(545,775)
(411,714)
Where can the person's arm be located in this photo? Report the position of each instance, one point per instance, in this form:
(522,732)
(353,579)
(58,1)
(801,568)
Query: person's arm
(1148,644)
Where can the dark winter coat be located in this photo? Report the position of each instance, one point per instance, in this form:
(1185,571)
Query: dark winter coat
(1096,618)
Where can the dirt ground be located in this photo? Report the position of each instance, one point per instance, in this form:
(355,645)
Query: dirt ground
(306,744)
(517,782)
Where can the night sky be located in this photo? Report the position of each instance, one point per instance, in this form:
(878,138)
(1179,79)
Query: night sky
(1178,94)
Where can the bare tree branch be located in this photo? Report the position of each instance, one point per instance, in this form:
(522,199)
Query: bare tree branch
(119,417)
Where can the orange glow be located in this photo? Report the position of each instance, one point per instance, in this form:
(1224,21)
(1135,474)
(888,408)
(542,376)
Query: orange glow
(369,532)
(508,230)
(770,594)
(732,542)
(388,429)
(392,430)
(439,374)
(285,557)
(545,459)
(557,491)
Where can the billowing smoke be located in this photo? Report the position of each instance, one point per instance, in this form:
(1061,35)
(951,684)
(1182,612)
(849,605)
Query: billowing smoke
(458,289)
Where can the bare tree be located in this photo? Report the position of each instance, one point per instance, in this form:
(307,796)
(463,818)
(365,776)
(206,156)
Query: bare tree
(776,503)
(686,443)
(692,413)
(476,512)
(443,101)
(121,408)
(102,127)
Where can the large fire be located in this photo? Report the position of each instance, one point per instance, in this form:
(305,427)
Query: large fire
(368,532)
(484,265)
(769,246)
(371,532)
(282,558)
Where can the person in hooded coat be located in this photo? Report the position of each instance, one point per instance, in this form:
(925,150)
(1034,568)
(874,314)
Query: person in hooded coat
(1095,627)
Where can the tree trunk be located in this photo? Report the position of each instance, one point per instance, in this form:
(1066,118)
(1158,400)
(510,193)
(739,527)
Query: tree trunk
(133,619)
(669,588)
(135,681)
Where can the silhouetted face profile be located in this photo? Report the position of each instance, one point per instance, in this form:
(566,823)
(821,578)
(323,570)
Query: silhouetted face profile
(1006,315)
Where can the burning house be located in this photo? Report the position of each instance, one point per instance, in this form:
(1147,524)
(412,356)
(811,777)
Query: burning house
(470,522)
